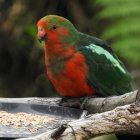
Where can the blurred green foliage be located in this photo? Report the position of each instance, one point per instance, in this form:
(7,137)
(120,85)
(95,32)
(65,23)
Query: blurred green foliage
(123,29)
(105,137)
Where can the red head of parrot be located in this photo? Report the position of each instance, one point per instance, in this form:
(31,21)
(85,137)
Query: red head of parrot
(55,30)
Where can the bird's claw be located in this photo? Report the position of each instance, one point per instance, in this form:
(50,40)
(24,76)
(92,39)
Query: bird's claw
(84,100)
(64,99)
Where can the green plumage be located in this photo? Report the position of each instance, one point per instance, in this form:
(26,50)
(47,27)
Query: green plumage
(107,74)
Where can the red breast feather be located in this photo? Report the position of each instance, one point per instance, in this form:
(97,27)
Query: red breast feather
(72,81)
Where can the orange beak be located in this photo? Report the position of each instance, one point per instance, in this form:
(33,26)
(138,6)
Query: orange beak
(44,37)
(41,34)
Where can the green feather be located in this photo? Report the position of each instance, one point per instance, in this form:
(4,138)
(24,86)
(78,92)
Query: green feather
(107,74)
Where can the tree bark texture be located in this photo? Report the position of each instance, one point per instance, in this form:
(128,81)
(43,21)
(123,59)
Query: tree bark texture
(121,120)
(93,105)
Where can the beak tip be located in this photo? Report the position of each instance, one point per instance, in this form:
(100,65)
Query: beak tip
(43,38)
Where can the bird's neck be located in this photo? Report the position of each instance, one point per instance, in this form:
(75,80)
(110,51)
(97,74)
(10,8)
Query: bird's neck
(56,55)
(59,50)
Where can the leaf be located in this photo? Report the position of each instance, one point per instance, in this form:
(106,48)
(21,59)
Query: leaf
(123,28)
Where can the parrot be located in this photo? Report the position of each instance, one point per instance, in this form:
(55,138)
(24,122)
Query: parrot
(79,64)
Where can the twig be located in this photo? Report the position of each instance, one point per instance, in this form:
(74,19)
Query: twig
(59,131)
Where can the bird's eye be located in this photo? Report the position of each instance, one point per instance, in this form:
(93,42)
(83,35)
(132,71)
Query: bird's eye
(54,27)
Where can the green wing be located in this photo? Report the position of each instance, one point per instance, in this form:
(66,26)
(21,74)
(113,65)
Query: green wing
(107,74)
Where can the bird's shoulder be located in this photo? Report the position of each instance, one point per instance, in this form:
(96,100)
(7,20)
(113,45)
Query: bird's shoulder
(107,74)
(86,40)
(92,46)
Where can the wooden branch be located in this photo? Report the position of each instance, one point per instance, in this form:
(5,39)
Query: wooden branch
(93,105)
(121,120)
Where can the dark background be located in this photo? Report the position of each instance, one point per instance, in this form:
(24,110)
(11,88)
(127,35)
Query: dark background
(22,67)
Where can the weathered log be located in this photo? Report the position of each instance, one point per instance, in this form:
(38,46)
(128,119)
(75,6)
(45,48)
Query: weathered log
(121,120)
(93,105)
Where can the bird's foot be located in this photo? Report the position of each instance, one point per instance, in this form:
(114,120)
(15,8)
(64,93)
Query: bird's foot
(84,114)
(64,99)
(83,101)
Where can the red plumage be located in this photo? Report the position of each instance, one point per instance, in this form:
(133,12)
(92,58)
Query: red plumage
(66,68)
(72,81)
